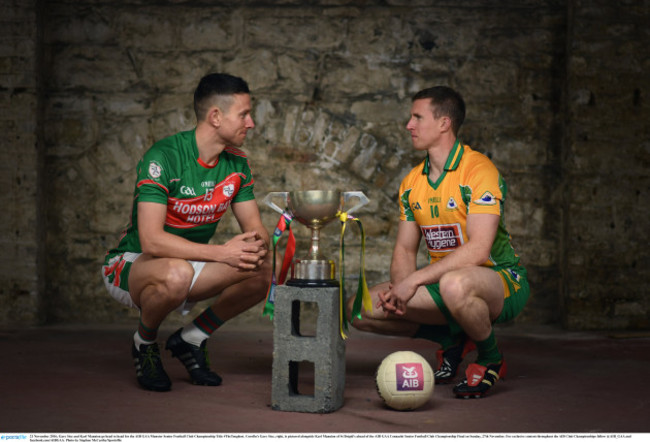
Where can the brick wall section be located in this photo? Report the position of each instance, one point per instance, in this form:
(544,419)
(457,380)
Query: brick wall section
(331,85)
(606,165)
(19,159)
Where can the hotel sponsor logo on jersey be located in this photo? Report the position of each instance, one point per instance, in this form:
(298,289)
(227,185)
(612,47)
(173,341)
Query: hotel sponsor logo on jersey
(442,238)
(202,209)
(190,213)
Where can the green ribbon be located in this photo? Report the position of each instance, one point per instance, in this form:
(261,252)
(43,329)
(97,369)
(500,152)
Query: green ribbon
(284,223)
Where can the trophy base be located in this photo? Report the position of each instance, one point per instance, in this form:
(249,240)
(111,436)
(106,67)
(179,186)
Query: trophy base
(312,283)
(313,273)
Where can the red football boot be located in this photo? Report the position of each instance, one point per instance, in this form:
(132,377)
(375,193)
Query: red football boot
(449,360)
(479,379)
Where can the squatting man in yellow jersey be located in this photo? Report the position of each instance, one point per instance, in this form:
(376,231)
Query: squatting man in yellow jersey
(454,199)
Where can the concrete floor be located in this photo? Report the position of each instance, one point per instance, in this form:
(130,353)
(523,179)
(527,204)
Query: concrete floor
(80,379)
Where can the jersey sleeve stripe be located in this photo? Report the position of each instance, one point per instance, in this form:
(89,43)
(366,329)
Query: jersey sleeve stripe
(144,182)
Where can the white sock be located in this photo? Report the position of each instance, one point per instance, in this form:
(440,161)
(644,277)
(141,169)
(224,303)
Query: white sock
(193,335)
(137,339)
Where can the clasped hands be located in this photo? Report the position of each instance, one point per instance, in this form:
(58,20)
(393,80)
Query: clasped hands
(246,251)
(395,299)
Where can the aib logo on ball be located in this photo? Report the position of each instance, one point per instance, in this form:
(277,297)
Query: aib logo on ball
(409,376)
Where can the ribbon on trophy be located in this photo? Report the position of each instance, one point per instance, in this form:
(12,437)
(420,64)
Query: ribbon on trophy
(362,297)
(284,223)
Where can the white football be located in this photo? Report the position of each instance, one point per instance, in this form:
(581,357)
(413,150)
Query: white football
(405,380)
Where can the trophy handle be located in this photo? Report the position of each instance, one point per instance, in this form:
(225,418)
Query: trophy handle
(363,199)
(268,200)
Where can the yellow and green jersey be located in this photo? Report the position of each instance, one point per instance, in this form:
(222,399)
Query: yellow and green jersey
(469,184)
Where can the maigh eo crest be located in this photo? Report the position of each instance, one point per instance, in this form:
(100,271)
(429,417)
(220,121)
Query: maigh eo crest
(155,170)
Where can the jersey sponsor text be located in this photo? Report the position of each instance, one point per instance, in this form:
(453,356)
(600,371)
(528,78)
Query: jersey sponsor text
(190,213)
(442,238)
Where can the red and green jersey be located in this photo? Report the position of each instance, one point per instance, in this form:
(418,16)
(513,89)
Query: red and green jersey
(469,184)
(196,195)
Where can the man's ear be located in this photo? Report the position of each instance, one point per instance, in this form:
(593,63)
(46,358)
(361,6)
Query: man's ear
(445,123)
(214,116)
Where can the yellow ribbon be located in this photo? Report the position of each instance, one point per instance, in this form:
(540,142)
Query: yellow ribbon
(362,297)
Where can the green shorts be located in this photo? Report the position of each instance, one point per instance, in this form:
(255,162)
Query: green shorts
(516,292)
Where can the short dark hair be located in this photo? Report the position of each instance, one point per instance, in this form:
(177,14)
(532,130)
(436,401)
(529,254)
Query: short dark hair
(216,84)
(445,101)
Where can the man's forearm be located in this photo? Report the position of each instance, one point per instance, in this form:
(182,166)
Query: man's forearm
(167,245)
(402,265)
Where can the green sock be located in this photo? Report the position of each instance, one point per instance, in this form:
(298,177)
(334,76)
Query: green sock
(208,322)
(145,335)
(488,352)
(438,333)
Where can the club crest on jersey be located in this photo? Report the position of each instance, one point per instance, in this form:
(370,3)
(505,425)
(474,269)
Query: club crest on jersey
(417,206)
(487,199)
(514,274)
(155,170)
(451,204)
(228,190)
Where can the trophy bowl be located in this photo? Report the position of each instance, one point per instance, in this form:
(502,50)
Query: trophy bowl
(314,209)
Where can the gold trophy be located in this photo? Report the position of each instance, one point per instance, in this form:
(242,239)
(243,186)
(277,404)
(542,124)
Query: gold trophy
(314,209)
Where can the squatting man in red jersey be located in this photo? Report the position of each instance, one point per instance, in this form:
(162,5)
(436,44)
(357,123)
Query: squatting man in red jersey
(163,262)
(454,199)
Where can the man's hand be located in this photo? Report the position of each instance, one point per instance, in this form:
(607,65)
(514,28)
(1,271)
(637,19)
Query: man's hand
(395,299)
(245,251)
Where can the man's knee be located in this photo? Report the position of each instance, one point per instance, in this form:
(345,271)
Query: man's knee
(454,289)
(176,279)
(467,288)
(167,289)
(362,321)
(362,325)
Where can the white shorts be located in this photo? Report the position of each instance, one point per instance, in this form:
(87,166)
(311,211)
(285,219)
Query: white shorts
(120,294)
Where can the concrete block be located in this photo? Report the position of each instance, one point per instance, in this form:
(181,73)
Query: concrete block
(292,349)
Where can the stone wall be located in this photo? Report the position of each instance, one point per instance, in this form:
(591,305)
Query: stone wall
(331,84)
(606,185)
(21,229)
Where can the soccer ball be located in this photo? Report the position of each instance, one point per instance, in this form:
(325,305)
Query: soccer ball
(404,380)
